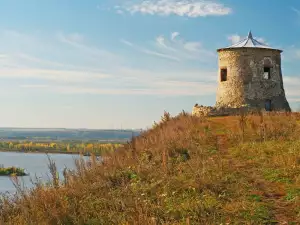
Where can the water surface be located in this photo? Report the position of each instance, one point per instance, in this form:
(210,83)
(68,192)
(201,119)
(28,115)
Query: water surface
(35,164)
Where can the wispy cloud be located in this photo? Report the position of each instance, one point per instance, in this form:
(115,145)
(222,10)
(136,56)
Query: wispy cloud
(127,43)
(193,46)
(297,53)
(140,82)
(40,74)
(186,50)
(33,86)
(188,8)
(291,54)
(147,76)
(161,55)
(175,49)
(38,61)
(174,35)
(24,65)
(27,69)
(161,40)
(297,11)
(51,74)
(76,39)
(174,88)
(291,86)
(235,38)
(151,52)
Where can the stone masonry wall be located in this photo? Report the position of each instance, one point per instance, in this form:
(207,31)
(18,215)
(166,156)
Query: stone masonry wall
(200,110)
(245,83)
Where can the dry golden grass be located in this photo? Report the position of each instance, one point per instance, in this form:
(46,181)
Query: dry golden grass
(186,170)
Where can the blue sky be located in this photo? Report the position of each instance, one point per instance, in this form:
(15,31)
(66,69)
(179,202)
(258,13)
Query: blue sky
(121,63)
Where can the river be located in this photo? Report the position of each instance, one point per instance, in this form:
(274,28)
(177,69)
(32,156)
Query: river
(35,164)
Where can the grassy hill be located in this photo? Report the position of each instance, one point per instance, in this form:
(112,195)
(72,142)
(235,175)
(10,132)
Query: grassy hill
(186,170)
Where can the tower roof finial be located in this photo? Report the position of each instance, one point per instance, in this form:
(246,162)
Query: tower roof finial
(249,42)
(250,35)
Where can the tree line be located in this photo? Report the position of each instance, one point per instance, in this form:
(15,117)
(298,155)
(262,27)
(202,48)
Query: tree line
(29,146)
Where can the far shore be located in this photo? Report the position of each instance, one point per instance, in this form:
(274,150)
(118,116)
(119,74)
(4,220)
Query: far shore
(48,152)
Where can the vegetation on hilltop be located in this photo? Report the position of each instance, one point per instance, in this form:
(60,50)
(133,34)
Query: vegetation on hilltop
(59,147)
(186,170)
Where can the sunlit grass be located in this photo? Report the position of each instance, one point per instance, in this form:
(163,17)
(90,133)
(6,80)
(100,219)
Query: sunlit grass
(186,170)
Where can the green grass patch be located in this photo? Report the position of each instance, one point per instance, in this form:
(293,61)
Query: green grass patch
(293,194)
(12,171)
(275,175)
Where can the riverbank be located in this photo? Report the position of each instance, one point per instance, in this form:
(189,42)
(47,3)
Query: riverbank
(50,152)
(87,148)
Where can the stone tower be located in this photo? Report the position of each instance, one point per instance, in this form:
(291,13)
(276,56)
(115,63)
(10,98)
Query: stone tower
(250,74)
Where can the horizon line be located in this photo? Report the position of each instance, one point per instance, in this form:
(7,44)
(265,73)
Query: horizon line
(62,128)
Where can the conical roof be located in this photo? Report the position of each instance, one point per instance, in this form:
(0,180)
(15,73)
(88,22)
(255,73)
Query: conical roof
(249,42)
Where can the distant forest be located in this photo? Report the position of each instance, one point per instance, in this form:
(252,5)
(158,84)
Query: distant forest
(66,134)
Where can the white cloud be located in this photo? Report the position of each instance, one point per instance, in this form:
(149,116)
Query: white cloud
(297,11)
(176,50)
(293,100)
(33,86)
(192,46)
(291,54)
(119,11)
(189,8)
(161,55)
(186,50)
(161,40)
(151,52)
(25,70)
(172,88)
(292,82)
(74,37)
(235,38)
(291,86)
(75,40)
(141,82)
(127,43)
(29,58)
(174,35)
(169,75)
(297,53)
(51,74)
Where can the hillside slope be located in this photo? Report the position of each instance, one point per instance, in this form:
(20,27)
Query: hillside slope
(186,170)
